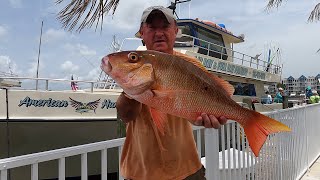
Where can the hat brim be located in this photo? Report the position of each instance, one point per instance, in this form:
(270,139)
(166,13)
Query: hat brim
(137,35)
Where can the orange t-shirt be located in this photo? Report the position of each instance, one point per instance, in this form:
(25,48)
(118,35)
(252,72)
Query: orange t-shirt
(148,155)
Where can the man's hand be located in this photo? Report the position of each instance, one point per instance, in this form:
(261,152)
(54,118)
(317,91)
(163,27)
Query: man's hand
(210,121)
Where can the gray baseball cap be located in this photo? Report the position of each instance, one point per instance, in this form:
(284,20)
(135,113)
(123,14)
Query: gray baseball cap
(166,12)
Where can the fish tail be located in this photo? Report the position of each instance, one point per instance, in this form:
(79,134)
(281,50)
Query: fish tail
(257,129)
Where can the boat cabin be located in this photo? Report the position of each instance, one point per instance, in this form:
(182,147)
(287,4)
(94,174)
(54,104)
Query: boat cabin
(212,44)
(206,38)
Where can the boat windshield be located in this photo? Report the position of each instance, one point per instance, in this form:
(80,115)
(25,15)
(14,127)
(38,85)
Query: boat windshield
(243,89)
(212,41)
(184,41)
(208,42)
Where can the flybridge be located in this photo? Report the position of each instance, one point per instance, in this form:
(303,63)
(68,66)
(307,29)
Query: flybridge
(213,46)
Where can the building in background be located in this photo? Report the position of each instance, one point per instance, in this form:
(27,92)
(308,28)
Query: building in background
(299,85)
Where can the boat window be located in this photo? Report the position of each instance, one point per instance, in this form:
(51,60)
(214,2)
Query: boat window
(183,41)
(243,89)
(216,44)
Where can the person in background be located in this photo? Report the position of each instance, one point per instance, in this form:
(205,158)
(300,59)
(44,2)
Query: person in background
(308,92)
(147,154)
(269,98)
(279,96)
(314,98)
(266,99)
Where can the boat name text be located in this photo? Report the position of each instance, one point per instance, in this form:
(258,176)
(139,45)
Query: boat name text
(27,101)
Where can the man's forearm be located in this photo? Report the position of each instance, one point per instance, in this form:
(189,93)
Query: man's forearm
(127,109)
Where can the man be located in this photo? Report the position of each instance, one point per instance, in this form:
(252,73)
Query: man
(279,98)
(308,92)
(146,153)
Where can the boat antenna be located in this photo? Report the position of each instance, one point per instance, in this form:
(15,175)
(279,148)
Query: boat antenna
(173,6)
(37,76)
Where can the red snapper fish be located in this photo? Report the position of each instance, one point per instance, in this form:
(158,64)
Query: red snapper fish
(179,85)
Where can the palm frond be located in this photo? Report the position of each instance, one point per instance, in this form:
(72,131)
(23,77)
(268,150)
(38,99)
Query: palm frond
(315,14)
(72,13)
(273,4)
(318,51)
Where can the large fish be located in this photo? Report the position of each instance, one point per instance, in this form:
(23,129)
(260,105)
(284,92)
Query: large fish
(179,85)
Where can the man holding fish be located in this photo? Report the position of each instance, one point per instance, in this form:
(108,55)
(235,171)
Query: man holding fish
(142,155)
(165,90)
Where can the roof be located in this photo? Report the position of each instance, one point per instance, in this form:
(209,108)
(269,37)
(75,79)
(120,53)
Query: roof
(302,78)
(290,78)
(217,29)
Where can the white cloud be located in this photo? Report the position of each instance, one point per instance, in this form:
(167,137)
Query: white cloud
(16,3)
(68,66)
(3,31)
(128,14)
(32,70)
(93,74)
(7,65)
(4,63)
(53,35)
(79,49)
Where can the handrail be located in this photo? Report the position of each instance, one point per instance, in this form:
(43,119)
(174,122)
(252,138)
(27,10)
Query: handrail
(227,156)
(112,84)
(283,156)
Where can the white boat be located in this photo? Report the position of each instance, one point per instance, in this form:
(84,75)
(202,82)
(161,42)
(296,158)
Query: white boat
(40,120)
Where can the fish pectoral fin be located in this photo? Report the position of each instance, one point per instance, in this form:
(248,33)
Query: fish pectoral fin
(170,93)
(160,119)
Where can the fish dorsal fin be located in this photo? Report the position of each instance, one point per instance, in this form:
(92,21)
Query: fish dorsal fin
(191,60)
(225,84)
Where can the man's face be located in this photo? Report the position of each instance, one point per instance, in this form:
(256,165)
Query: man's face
(158,34)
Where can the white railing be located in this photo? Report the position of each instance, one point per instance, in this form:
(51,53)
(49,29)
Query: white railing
(221,53)
(104,84)
(284,156)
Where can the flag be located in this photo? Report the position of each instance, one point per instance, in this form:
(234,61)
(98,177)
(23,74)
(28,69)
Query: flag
(74,85)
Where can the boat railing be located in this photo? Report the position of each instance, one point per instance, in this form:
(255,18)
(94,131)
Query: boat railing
(92,85)
(226,154)
(5,74)
(221,53)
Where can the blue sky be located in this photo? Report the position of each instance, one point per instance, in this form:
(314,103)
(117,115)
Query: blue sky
(64,53)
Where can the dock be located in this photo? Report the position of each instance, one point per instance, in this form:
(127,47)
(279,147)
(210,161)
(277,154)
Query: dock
(314,172)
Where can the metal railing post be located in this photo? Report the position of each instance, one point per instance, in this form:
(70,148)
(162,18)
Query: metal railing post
(91,90)
(212,154)
(47,85)
(242,59)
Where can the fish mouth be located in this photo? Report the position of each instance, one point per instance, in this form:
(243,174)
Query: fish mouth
(106,65)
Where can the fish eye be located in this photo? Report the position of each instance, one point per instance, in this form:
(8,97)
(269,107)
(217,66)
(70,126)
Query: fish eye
(133,57)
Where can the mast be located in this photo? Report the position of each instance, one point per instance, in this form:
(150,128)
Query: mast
(37,76)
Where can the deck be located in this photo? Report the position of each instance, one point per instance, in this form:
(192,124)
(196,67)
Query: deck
(314,172)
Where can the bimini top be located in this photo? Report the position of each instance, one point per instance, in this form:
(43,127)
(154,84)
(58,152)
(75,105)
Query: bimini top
(213,27)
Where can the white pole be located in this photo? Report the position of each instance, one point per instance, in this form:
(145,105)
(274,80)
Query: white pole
(189,9)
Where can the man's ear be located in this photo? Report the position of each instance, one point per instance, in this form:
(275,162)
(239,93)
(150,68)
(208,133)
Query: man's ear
(176,31)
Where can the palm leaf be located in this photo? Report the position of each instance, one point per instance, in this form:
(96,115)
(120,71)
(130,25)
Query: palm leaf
(72,13)
(315,14)
(273,4)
